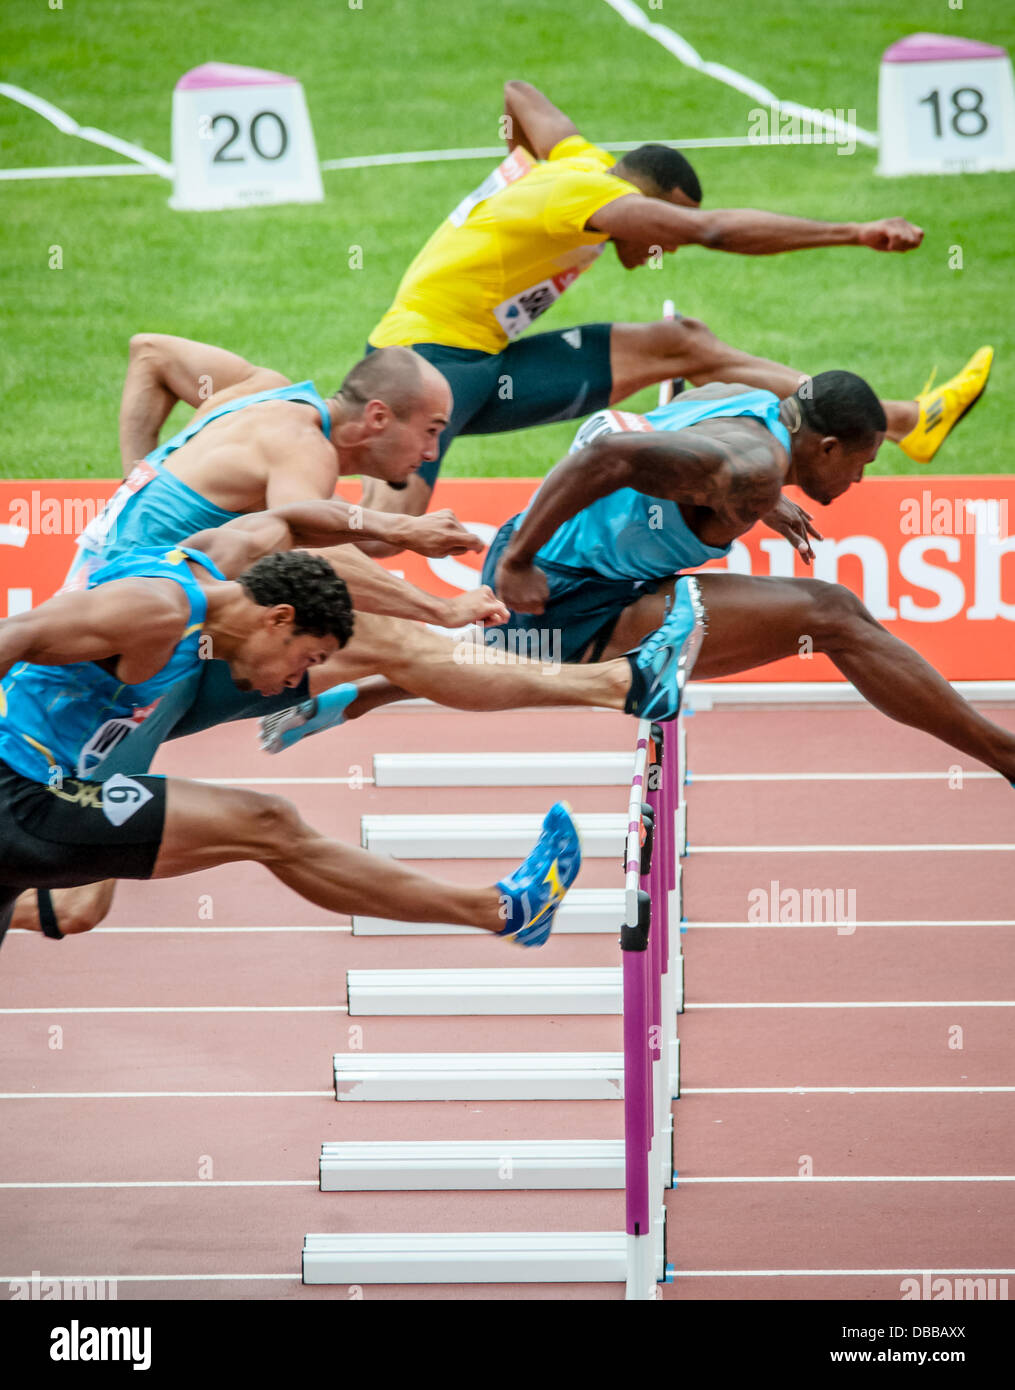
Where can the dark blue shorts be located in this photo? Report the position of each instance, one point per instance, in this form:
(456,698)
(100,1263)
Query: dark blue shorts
(580,615)
(537,380)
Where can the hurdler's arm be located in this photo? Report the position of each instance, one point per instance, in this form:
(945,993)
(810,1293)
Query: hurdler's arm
(133,619)
(735,476)
(240,543)
(533,120)
(374,589)
(162,369)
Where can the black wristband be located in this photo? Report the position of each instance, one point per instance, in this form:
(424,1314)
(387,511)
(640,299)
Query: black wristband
(47,916)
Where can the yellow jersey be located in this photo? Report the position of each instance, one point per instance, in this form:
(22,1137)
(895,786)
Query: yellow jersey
(507,251)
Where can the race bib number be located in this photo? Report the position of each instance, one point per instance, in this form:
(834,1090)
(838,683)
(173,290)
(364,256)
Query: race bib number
(609,422)
(515,314)
(510,170)
(99,532)
(121,797)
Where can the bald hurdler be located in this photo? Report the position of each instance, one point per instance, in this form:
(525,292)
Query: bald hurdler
(256,440)
(509,250)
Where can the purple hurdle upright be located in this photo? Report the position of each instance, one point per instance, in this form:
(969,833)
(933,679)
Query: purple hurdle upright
(649,1005)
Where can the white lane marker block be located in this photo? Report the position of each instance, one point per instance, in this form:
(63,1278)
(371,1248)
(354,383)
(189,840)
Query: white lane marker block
(597,911)
(401,993)
(439,1257)
(501,1164)
(479,1076)
(483,836)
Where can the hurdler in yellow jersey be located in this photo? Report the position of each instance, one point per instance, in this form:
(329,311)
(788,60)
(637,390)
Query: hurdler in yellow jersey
(508,251)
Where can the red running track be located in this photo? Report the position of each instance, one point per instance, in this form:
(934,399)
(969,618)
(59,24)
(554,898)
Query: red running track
(243,1080)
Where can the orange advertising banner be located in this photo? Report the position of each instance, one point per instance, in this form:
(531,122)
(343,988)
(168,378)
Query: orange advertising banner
(932,558)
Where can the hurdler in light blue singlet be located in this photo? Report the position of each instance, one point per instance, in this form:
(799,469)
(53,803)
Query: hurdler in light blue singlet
(65,720)
(629,534)
(154,507)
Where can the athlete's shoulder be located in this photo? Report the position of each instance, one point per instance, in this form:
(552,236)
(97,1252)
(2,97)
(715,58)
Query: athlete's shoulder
(575,150)
(610,421)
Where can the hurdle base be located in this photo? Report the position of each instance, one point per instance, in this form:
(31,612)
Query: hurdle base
(479,1076)
(404,993)
(424,1257)
(502,1165)
(584,910)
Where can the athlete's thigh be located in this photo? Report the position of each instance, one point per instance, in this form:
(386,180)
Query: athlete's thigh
(207,825)
(548,377)
(377,642)
(752,620)
(637,620)
(644,353)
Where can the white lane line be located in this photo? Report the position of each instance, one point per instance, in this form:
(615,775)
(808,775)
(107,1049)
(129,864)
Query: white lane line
(794,1177)
(871,922)
(190,1009)
(287,781)
(73,171)
(690,57)
(843,1090)
(374,161)
(314,1182)
(204,931)
(193,1182)
(684,1090)
(820,1273)
(693,777)
(710,142)
(160,1095)
(846,849)
(69,126)
(295,1276)
(846,1004)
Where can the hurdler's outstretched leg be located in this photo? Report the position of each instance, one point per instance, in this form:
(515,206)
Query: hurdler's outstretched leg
(207,826)
(752,621)
(415,661)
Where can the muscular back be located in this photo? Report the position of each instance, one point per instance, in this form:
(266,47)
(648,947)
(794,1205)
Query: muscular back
(261,456)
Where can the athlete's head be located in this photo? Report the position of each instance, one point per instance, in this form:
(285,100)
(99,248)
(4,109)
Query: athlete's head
(299,615)
(658,172)
(393,406)
(837,424)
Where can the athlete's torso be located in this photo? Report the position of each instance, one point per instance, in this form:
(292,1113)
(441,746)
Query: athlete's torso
(506,253)
(630,535)
(62,721)
(154,507)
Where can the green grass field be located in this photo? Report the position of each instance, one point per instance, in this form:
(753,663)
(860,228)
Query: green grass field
(275,284)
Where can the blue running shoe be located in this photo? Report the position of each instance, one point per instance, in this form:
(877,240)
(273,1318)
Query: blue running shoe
(532,894)
(324,711)
(661,665)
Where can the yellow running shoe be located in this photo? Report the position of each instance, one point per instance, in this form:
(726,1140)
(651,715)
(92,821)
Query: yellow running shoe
(943,408)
